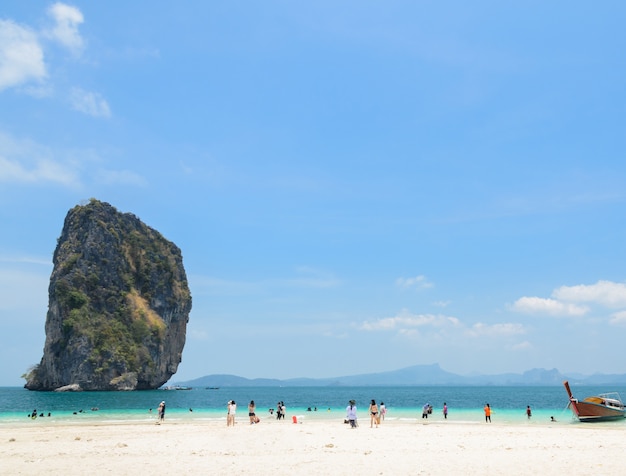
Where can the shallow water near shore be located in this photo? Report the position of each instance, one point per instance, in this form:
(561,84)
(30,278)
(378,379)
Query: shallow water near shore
(404,404)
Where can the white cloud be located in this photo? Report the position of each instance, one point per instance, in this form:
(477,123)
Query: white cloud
(567,300)
(525,345)
(26,162)
(43,170)
(552,307)
(419,282)
(89,103)
(406,320)
(23,161)
(618,319)
(606,293)
(65,31)
(21,56)
(496,330)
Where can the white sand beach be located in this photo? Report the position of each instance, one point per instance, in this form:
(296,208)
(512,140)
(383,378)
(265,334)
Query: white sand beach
(320,447)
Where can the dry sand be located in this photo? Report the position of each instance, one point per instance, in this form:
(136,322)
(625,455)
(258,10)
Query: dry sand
(320,447)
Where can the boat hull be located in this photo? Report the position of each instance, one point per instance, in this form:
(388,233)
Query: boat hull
(592,409)
(595,412)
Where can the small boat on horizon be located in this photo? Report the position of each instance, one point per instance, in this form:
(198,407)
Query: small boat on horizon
(602,407)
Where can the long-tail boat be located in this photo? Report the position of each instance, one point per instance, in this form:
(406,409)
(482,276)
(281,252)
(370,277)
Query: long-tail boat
(602,407)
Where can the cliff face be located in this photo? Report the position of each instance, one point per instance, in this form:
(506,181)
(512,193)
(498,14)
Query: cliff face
(118,307)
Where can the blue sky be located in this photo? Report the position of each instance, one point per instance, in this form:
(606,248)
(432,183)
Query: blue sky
(355,186)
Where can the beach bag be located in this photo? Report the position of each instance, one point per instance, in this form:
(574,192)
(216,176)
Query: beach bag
(378,419)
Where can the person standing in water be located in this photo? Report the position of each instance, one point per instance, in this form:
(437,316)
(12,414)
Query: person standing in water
(487,413)
(529,413)
(445,410)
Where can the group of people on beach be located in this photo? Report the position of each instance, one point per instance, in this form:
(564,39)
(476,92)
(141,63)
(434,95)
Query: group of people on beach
(280,410)
(376,413)
(231,410)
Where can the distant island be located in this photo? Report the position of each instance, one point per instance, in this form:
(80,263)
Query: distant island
(414,376)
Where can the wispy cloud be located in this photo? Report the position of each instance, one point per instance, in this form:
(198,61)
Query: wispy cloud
(618,319)
(496,330)
(418,282)
(437,326)
(606,293)
(40,171)
(65,31)
(26,162)
(525,345)
(21,56)
(552,307)
(305,277)
(312,278)
(407,320)
(22,62)
(90,103)
(25,260)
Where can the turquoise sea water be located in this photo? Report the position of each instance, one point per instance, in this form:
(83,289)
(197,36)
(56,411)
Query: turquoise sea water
(404,404)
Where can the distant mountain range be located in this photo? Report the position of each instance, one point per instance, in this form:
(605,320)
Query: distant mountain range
(415,376)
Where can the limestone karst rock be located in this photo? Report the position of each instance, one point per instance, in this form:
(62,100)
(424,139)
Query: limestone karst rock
(118,307)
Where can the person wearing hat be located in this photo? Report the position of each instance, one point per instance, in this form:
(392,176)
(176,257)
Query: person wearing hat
(351,414)
(230,416)
(161,411)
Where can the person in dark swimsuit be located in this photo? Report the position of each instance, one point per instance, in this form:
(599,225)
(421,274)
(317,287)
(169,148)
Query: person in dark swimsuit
(373,414)
(252,412)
